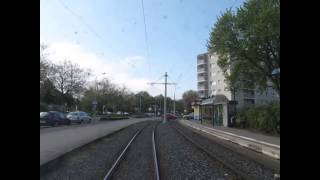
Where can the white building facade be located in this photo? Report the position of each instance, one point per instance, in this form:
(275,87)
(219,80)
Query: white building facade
(212,83)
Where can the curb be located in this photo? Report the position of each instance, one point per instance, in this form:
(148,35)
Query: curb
(268,149)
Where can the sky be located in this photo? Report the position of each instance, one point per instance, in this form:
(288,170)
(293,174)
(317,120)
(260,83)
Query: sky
(109,37)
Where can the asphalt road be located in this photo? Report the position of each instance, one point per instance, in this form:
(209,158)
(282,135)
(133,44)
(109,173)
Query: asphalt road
(57,141)
(46,129)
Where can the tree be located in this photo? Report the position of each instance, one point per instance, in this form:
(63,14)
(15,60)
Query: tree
(69,78)
(188,97)
(159,102)
(179,106)
(248,42)
(44,64)
(48,93)
(103,91)
(110,96)
(146,101)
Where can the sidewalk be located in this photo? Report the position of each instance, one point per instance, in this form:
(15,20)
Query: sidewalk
(268,145)
(58,142)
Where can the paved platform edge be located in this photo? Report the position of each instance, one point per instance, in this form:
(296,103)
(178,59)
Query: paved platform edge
(60,155)
(268,149)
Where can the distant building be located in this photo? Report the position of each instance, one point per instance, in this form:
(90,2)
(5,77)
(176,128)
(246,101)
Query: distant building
(218,100)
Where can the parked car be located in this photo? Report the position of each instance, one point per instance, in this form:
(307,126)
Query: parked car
(169,116)
(119,113)
(107,113)
(126,114)
(53,118)
(79,117)
(188,116)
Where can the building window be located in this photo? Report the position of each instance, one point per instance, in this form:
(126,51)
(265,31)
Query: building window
(218,81)
(214,83)
(219,90)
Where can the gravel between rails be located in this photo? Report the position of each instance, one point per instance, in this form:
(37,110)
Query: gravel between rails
(91,162)
(179,159)
(250,167)
(138,162)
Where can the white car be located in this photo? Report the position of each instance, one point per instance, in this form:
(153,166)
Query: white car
(126,114)
(119,113)
(79,117)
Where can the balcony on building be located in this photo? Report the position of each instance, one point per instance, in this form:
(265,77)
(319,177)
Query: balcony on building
(202,70)
(201,62)
(202,79)
(202,87)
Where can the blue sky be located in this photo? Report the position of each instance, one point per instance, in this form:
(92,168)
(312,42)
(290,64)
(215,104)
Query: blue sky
(108,36)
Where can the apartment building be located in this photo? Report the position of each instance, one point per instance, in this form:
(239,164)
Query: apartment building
(219,103)
(211,82)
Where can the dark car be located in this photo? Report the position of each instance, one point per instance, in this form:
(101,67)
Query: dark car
(170,116)
(53,118)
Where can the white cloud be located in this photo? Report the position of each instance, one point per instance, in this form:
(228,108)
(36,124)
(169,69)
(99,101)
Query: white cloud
(120,71)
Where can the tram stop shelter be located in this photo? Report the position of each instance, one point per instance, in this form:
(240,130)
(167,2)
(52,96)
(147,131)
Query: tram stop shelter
(216,110)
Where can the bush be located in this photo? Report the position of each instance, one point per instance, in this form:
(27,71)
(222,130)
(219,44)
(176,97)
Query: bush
(264,118)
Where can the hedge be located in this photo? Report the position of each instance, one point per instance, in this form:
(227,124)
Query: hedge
(263,118)
(112,117)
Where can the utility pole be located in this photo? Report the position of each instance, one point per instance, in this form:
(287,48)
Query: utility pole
(140,103)
(174,100)
(165,96)
(155,107)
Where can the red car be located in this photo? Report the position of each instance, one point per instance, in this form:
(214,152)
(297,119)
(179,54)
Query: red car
(169,116)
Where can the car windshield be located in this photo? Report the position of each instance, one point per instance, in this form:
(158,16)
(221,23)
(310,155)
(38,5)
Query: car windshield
(43,114)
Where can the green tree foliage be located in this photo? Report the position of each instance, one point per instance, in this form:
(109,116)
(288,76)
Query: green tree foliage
(179,106)
(248,42)
(263,118)
(59,83)
(147,101)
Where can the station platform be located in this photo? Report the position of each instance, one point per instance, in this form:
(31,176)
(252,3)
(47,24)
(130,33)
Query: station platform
(55,142)
(268,145)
